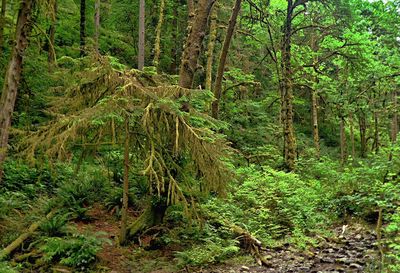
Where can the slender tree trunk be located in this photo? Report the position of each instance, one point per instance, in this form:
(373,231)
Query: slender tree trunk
(82,31)
(363,134)
(2,22)
(157,44)
(287,92)
(352,140)
(13,75)
(210,49)
(395,119)
(125,196)
(191,11)
(174,49)
(314,102)
(52,34)
(141,34)
(193,43)
(343,142)
(97,25)
(376,131)
(222,58)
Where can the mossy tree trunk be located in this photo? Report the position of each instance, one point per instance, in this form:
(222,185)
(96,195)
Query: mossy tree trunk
(343,145)
(289,145)
(363,133)
(352,138)
(52,34)
(82,30)
(157,43)
(13,75)
(125,197)
(2,22)
(222,59)
(210,47)
(193,43)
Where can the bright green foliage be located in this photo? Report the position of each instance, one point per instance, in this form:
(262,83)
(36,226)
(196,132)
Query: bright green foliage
(77,250)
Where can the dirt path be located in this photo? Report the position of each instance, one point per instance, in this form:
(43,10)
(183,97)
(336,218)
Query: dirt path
(352,251)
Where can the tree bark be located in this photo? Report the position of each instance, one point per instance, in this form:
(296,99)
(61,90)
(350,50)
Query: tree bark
(82,31)
(314,114)
(125,197)
(352,140)
(141,34)
(286,87)
(222,58)
(191,11)
(193,43)
(52,34)
(96,25)
(395,119)
(13,75)
(174,49)
(363,133)
(210,48)
(376,132)
(2,22)
(343,142)
(157,44)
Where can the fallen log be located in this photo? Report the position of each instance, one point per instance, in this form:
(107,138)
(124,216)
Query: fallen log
(17,242)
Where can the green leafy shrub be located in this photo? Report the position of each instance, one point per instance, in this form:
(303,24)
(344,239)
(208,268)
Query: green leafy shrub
(56,225)
(78,250)
(6,268)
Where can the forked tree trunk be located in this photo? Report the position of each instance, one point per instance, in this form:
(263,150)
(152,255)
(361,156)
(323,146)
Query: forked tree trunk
(287,92)
(343,142)
(141,34)
(211,46)
(222,58)
(2,22)
(125,196)
(97,25)
(82,31)
(13,75)
(157,43)
(193,43)
(52,34)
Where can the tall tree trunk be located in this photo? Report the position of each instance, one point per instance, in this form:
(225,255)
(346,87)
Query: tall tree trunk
(125,196)
(141,34)
(363,133)
(352,140)
(2,22)
(96,25)
(82,31)
(314,102)
(211,46)
(13,75)
(343,142)
(52,34)
(157,44)
(395,118)
(376,132)
(287,92)
(222,58)
(174,50)
(191,11)
(193,43)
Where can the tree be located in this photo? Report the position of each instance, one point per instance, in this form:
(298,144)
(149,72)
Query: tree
(82,28)
(2,22)
(13,74)
(157,50)
(97,25)
(222,59)
(141,34)
(193,43)
(52,33)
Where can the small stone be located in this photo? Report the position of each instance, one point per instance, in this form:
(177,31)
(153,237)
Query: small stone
(354,265)
(245,268)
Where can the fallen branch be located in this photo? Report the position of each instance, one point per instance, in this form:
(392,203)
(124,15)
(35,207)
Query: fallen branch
(17,242)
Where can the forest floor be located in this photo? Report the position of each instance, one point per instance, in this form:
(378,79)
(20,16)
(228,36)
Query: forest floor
(352,250)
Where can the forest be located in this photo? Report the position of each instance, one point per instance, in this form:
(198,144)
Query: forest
(199,136)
